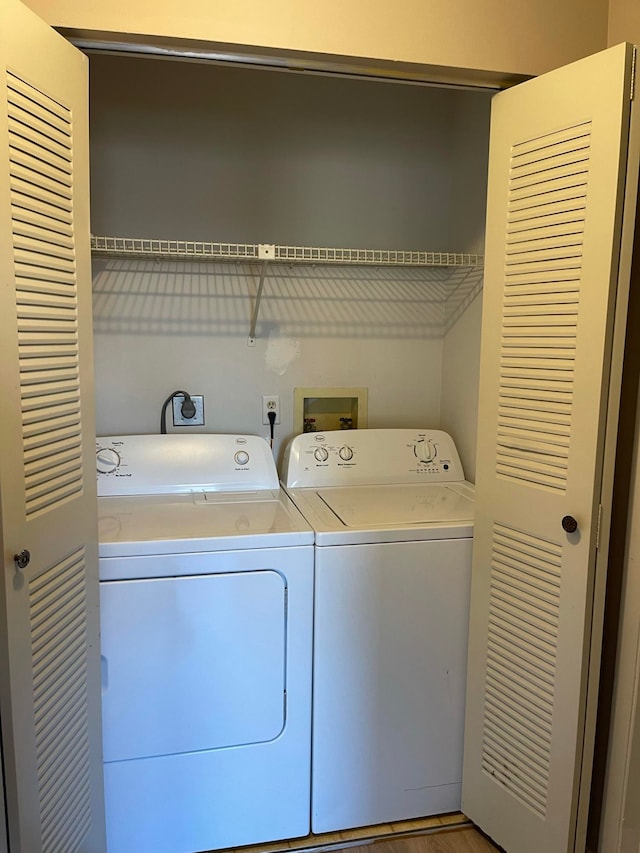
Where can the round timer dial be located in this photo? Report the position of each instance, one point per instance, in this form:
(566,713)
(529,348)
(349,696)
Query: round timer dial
(425,451)
(107,460)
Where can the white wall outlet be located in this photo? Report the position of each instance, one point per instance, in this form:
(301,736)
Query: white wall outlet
(270,403)
(197,420)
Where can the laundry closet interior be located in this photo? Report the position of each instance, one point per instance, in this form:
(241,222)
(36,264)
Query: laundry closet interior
(258,230)
(198,151)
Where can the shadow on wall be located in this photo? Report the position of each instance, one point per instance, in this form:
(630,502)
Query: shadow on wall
(202,299)
(462,288)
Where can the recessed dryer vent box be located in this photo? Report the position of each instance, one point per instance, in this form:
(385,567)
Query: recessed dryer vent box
(321,409)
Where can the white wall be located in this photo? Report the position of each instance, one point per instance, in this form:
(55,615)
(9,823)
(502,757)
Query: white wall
(624,22)
(460,378)
(195,152)
(461,346)
(156,331)
(528,37)
(620,823)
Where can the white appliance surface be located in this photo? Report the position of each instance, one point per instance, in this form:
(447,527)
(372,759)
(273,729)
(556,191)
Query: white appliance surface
(360,514)
(393,518)
(379,485)
(378,506)
(212,521)
(206,614)
(168,464)
(371,457)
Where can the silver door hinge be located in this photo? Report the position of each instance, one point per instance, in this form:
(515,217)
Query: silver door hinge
(633,72)
(598,527)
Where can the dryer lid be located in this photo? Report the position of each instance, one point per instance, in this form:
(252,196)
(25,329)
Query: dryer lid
(168,524)
(389,506)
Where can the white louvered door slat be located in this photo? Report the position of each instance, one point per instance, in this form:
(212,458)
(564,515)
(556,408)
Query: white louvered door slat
(37,200)
(50,703)
(558,161)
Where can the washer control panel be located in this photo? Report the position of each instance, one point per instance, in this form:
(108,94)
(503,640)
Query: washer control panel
(371,456)
(165,464)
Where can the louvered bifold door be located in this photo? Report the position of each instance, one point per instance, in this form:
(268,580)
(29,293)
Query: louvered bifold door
(50,688)
(558,158)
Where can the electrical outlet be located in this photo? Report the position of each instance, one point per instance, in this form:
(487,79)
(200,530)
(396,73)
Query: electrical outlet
(270,403)
(196,420)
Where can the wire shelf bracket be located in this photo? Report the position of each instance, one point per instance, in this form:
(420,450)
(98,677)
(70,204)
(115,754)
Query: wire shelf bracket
(266,250)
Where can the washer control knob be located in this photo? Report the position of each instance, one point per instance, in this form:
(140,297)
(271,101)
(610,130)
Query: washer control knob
(241,457)
(107,460)
(346,453)
(425,451)
(321,454)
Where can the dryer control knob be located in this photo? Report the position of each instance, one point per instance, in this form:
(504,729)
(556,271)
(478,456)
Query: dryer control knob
(241,457)
(346,453)
(321,454)
(107,460)
(425,451)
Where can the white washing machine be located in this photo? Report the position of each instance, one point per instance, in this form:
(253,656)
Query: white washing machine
(393,520)
(206,588)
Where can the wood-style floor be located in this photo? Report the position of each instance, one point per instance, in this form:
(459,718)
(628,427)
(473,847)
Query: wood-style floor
(450,833)
(462,840)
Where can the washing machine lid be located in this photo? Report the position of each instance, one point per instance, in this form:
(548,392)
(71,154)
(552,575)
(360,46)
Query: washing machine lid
(198,521)
(391,513)
(385,506)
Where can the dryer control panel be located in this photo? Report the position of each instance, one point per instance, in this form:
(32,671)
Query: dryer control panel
(166,464)
(371,456)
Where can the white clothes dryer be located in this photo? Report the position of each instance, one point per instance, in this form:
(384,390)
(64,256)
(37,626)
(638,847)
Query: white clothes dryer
(206,585)
(393,521)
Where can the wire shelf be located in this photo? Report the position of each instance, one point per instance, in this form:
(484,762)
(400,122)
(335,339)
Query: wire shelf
(139,247)
(188,250)
(375,257)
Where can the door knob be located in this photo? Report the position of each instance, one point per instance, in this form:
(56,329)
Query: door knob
(22,559)
(569,524)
